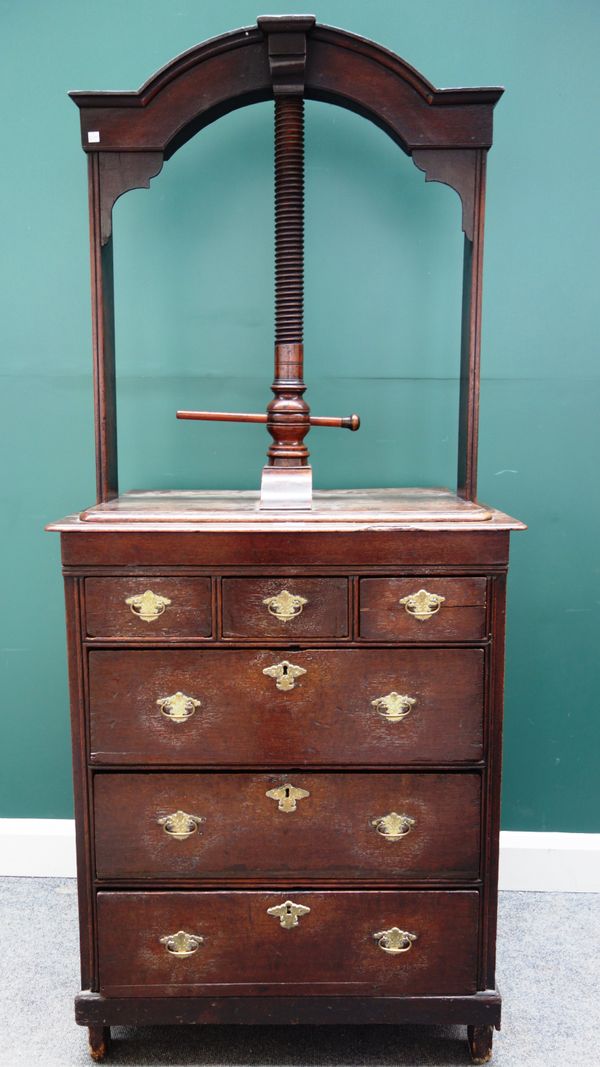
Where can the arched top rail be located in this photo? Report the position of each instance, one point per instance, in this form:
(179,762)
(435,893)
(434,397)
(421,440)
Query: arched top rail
(233,70)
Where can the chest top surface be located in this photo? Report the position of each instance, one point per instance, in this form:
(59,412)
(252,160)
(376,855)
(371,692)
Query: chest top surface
(333,509)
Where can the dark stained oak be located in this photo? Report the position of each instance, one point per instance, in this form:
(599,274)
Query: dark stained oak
(327,718)
(98,1042)
(330,835)
(246,951)
(460,617)
(484,1007)
(187,615)
(325,613)
(480,1043)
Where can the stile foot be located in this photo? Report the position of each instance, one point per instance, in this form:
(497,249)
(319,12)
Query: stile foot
(98,1041)
(480,1043)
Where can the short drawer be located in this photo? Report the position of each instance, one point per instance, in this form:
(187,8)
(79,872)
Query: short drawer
(299,826)
(422,609)
(148,608)
(277,708)
(289,942)
(285,608)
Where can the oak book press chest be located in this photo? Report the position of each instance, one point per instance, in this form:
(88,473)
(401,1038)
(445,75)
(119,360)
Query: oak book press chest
(286,708)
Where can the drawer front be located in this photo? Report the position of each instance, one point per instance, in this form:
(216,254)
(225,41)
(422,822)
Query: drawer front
(235,943)
(285,608)
(298,826)
(219,707)
(422,609)
(148,608)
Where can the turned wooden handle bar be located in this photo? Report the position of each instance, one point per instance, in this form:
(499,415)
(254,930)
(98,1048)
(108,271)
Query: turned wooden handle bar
(352,422)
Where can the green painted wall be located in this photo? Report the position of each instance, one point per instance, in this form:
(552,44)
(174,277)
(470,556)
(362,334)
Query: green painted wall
(194,276)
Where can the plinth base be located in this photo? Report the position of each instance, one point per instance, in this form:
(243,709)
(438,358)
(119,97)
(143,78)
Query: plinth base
(286,489)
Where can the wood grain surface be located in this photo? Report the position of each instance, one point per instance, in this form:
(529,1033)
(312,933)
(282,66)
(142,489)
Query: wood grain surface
(331,835)
(326,719)
(325,614)
(188,614)
(247,951)
(461,617)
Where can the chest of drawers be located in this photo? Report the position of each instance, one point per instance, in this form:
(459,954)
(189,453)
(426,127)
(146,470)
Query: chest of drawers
(287,711)
(287,762)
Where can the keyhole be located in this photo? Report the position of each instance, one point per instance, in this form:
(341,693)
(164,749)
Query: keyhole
(285,670)
(288,909)
(287,792)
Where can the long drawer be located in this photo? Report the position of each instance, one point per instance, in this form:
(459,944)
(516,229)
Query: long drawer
(300,826)
(289,942)
(244,707)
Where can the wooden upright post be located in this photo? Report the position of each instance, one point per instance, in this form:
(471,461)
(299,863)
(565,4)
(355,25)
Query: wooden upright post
(103,341)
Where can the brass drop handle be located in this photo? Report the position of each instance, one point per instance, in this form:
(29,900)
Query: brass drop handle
(395,706)
(148,606)
(422,605)
(393,826)
(285,674)
(180,825)
(285,605)
(182,944)
(178,707)
(395,940)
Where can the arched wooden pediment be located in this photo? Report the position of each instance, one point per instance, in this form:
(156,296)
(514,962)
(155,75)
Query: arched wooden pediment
(235,69)
(232,70)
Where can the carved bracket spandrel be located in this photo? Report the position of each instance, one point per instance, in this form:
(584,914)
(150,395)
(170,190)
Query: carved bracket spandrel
(456,167)
(120,172)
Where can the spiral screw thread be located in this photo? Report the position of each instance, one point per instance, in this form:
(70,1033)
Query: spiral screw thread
(289,219)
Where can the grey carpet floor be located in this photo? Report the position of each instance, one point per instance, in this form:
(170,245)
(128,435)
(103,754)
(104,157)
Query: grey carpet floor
(548,968)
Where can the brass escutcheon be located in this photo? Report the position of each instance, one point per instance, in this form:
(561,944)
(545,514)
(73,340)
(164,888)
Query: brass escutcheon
(180,825)
(285,674)
(393,826)
(178,707)
(288,913)
(422,605)
(395,706)
(288,796)
(395,940)
(182,944)
(285,605)
(148,606)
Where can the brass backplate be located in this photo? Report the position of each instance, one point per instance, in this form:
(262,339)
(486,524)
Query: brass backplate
(148,606)
(422,605)
(287,796)
(178,707)
(285,605)
(181,944)
(395,706)
(288,913)
(285,674)
(395,941)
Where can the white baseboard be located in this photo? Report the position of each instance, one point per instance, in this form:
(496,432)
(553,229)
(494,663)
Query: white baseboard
(556,863)
(551,862)
(37,848)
